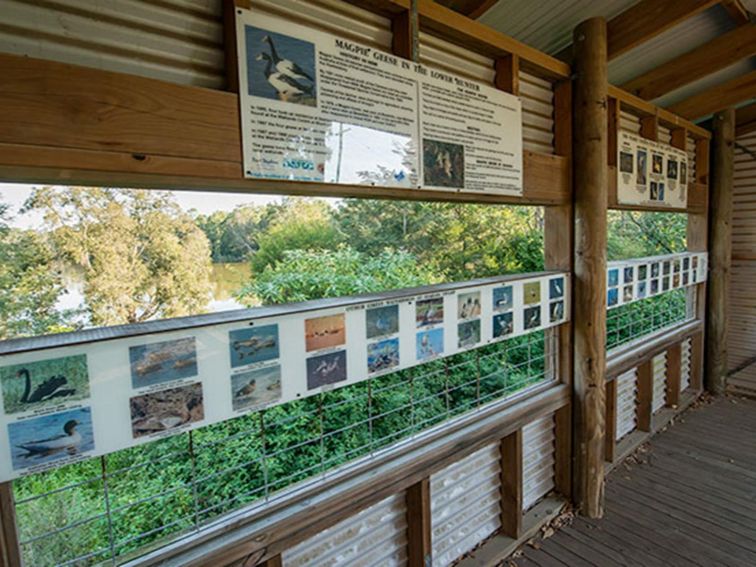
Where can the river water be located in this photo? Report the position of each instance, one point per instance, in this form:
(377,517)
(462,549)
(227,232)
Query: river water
(226,279)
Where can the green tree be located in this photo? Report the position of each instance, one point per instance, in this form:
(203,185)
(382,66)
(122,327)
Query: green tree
(140,255)
(30,285)
(635,234)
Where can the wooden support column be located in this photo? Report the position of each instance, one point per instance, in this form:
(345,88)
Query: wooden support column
(610,443)
(696,362)
(275,561)
(507,77)
(674,368)
(419,524)
(590,183)
(229,41)
(645,409)
(511,484)
(720,249)
(10,554)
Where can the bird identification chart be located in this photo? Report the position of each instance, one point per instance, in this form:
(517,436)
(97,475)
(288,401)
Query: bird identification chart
(318,108)
(69,397)
(650,173)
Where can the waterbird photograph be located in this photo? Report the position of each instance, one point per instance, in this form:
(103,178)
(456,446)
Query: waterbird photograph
(468,333)
(627,294)
(502,298)
(657,163)
(672,169)
(443,164)
(383,355)
(155,363)
(612,297)
(51,438)
(626,162)
(255,388)
(613,278)
(253,344)
(629,273)
(502,325)
(683,172)
(642,174)
(280,67)
(44,383)
(326,369)
(382,321)
(468,305)
(642,290)
(531,293)
(556,311)
(167,409)
(532,317)
(429,344)
(429,312)
(325,332)
(556,288)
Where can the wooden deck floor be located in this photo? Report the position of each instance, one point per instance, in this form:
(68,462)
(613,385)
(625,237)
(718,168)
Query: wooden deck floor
(690,499)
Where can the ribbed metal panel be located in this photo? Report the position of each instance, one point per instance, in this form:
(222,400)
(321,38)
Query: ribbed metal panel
(376,537)
(686,351)
(691,149)
(629,122)
(715,79)
(537,460)
(174,40)
(665,135)
(659,393)
(536,94)
(465,504)
(627,403)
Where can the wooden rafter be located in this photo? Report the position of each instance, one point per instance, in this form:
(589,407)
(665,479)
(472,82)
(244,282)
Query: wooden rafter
(736,11)
(700,62)
(470,8)
(717,98)
(745,119)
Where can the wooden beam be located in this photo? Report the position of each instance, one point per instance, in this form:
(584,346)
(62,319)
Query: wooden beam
(610,442)
(720,250)
(419,547)
(745,119)
(75,125)
(511,484)
(507,77)
(674,369)
(717,98)
(697,361)
(402,36)
(736,11)
(10,552)
(647,19)
(645,395)
(483,7)
(473,9)
(563,451)
(717,54)
(589,296)
(650,128)
(229,42)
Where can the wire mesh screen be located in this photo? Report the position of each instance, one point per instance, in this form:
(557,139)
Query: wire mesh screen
(628,323)
(132,500)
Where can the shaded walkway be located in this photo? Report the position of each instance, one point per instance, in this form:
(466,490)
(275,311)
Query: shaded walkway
(688,499)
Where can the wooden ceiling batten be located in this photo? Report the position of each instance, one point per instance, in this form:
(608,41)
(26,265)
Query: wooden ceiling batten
(717,54)
(717,98)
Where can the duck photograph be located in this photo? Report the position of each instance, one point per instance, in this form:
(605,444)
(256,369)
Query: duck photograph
(165,410)
(280,67)
(253,344)
(255,388)
(44,383)
(325,332)
(156,363)
(326,369)
(382,321)
(50,438)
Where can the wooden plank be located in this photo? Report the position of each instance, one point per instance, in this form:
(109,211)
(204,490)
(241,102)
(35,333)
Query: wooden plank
(563,451)
(511,484)
(736,11)
(10,553)
(610,442)
(674,361)
(650,128)
(589,283)
(507,76)
(275,561)
(745,120)
(645,395)
(717,54)
(229,42)
(717,98)
(402,36)
(720,251)
(419,545)
(102,128)
(697,361)
(647,19)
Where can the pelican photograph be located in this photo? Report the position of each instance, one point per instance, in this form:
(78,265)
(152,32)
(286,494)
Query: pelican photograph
(429,344)
(468,305)
(155,363)
(326,369)
(383,355)
(502,298)
(280,67)
(532,317)
(166,410)
(253,344)
(256,388)
(556,311)
(382,321)
(468,333)
(325,332)
(443,164)
(502,325)
(45,383)
(51,438)
(429,312)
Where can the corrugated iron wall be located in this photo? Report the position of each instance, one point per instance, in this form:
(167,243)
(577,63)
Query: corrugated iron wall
(659,393)
(741,339)
(627,403)
(538,460)
(685,367)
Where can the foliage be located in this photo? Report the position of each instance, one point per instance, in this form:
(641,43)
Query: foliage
(311,274)
(635,234)
(30,285)
(141,256)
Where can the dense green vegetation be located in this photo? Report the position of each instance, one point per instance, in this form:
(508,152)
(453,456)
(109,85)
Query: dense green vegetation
(298,249)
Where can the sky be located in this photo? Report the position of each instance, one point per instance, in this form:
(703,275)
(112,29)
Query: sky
(15,194)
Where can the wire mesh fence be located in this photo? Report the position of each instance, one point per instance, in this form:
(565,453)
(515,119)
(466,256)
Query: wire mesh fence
(631,322)
(120,505)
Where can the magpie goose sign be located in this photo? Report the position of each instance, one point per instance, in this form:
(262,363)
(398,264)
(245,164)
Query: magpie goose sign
(319,108)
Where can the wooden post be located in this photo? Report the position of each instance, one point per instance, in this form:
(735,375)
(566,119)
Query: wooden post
(674,369)
(511,484)
(645,409)
(610,443)
(419,545)
(229,41)
(507,76)
(590,182)
(720,249)
(563,451)
(10,554)
(696,362)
